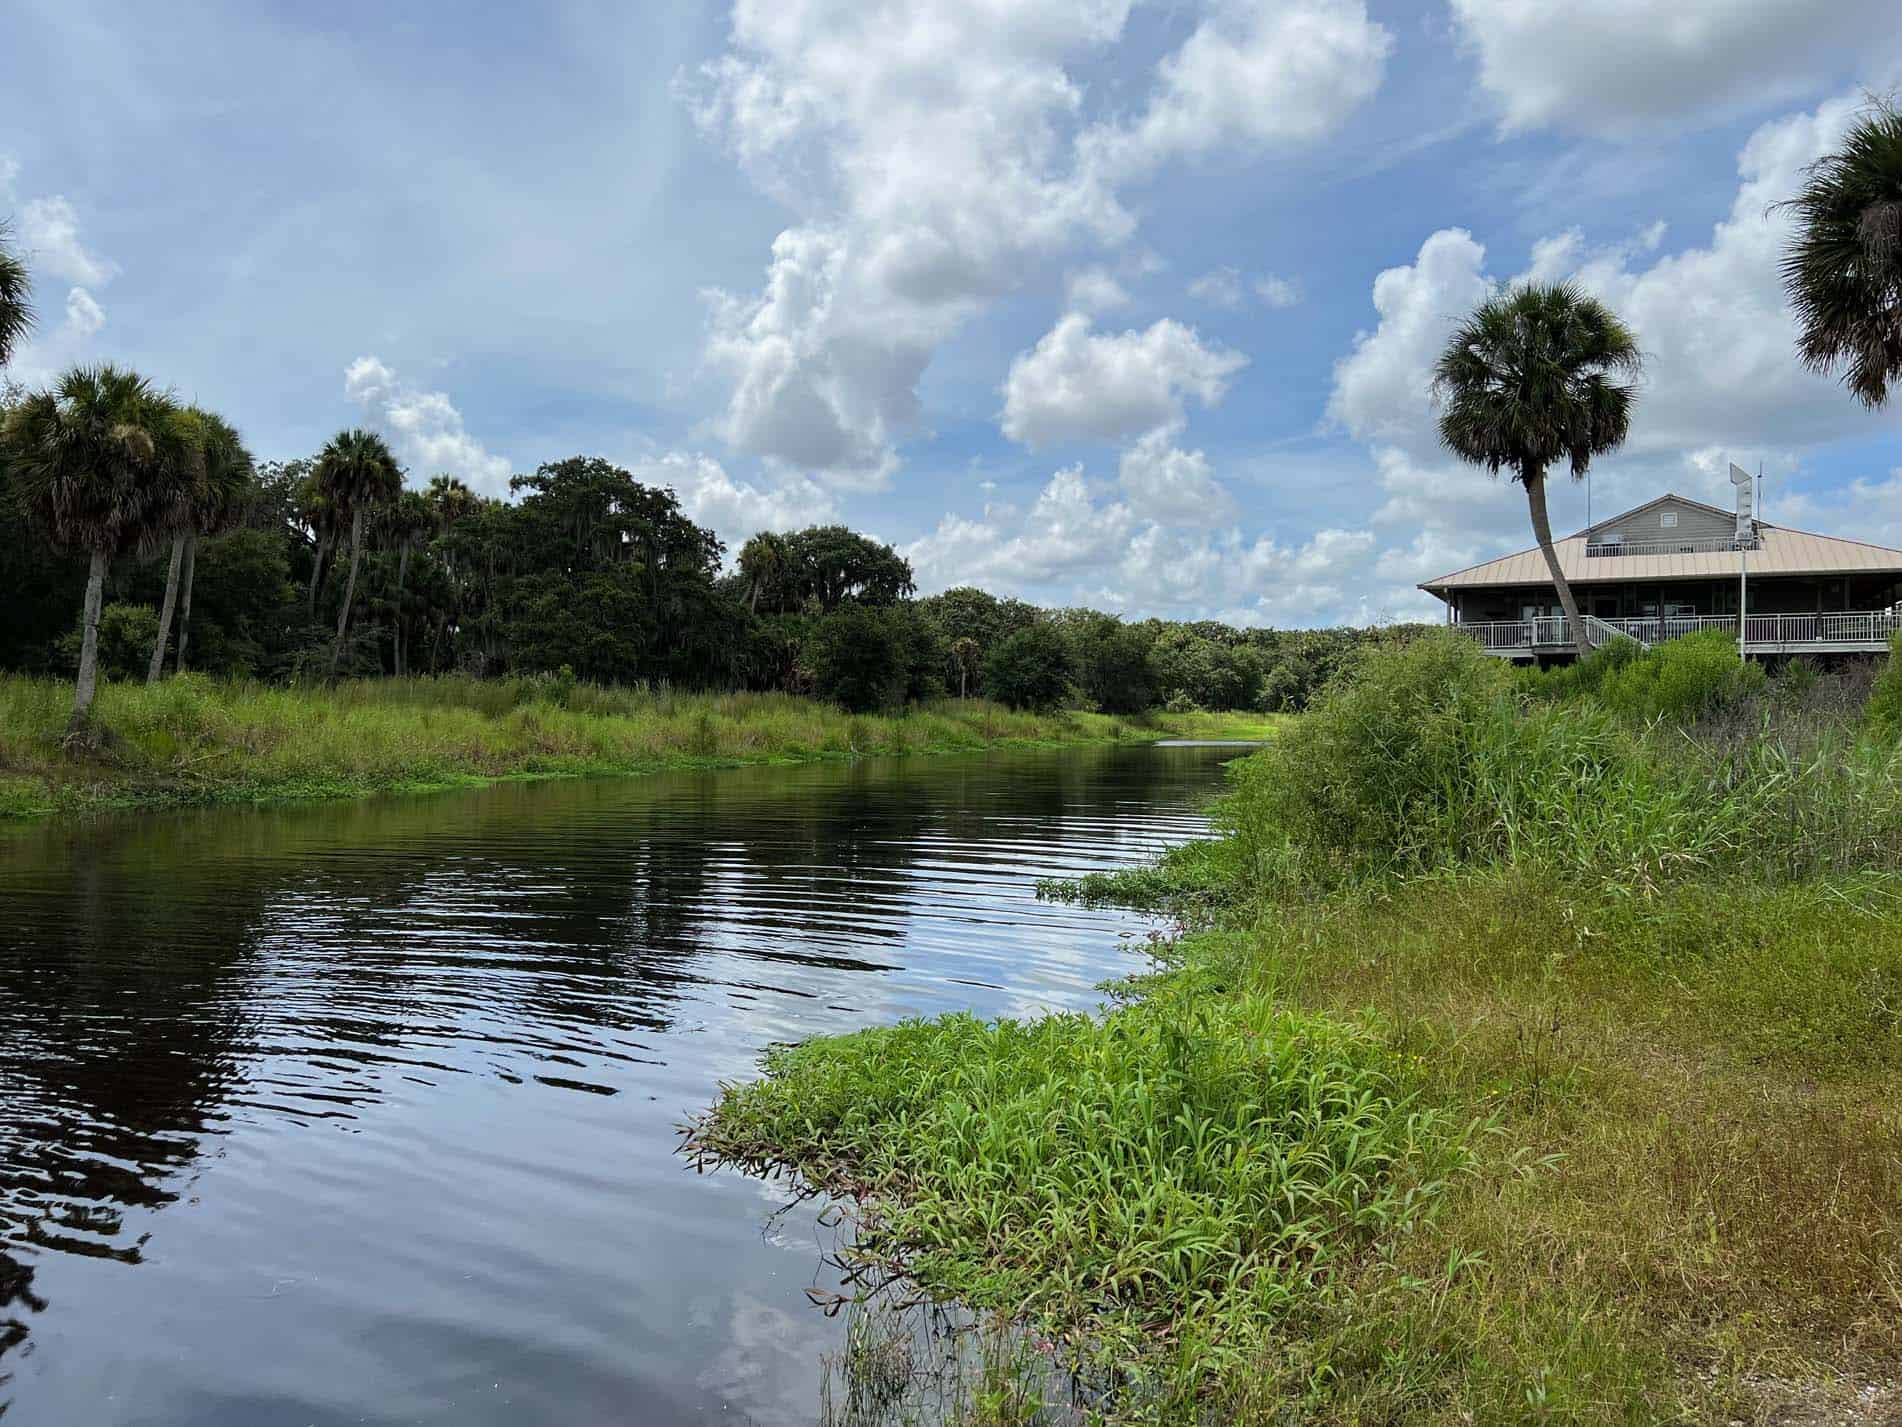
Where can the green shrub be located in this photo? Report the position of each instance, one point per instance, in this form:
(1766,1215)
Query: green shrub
(127,633)
(1030,670)
(1681,680)
(1421,762)
(1884,711)
(860,657)
(1374,769)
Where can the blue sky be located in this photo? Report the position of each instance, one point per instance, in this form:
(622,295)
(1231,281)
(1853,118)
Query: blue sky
(1097,301)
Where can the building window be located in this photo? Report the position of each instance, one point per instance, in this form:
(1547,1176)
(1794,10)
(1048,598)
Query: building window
(1668,520)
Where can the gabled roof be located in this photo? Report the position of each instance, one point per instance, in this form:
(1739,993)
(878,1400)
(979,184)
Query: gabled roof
(1668,498)
(1781,551)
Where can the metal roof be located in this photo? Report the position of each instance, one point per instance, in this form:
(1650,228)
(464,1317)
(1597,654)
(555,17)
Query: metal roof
(1780,551)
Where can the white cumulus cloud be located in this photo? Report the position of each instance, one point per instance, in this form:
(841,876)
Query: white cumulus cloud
(1620,66)
(1164,483)
(937,151)
(424,428)
(84,316)
(1221,287)
(49,234)
(1094,289)
(736,509)
(1254,75)
(1078,384)
(1277,292)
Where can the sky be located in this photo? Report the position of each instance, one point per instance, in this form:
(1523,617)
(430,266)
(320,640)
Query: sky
(1126,303)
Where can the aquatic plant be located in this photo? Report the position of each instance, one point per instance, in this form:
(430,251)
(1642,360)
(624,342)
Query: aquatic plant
(1153,1186)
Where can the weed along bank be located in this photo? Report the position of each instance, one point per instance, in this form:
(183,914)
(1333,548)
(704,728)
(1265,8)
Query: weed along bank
(1675,566)
(1525,1050)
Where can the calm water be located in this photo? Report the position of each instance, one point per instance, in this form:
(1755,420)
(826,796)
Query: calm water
(367,1114)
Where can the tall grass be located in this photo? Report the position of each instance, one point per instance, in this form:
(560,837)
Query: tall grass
(1634,926)
(1429,761)
(192,739)
(1154,1186)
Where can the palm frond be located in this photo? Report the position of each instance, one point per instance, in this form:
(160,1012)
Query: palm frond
(1539,374)
(1842,270)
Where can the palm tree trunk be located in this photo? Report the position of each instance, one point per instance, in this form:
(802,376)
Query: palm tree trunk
(166,606)
(402,576)
(89,643)
(1542,532)
(349,589)
(317,571)
(185,600)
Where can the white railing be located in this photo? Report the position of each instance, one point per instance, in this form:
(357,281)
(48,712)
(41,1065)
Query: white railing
(1718,545)
(1600,632)
(1855,631)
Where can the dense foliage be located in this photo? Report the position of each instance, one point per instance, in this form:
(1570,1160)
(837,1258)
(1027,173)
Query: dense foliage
(305,568)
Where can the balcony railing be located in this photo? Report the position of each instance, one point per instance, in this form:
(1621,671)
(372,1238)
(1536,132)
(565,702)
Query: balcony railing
(1720,545)
(1855,631)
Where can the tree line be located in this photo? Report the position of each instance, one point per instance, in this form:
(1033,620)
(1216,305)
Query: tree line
(138,537)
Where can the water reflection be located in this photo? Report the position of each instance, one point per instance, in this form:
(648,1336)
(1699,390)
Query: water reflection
(367,1113)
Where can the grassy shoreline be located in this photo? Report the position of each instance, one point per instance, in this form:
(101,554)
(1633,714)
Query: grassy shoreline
(196,742)
(1426,1115)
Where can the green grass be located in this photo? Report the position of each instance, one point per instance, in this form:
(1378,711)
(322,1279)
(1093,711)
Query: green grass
(1609,992)
(1152,1185)
(192,740)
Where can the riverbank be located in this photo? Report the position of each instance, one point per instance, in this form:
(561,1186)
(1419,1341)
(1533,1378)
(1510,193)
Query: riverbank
(193,741)
(1514,1061)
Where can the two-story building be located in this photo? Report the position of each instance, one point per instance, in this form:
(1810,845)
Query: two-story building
(1674,566)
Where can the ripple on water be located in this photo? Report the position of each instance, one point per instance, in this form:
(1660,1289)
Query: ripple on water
(367,1113)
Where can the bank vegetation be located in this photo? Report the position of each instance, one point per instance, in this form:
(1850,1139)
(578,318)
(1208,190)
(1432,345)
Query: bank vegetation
(1528,1049)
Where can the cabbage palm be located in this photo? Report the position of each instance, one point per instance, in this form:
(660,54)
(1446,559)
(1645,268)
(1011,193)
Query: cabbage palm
(99,460)
(16,310)
(1539,374)
(357,473)
(1842,270)
(764,561)
(964,653)
(405,521)
(214,500)
(314,508)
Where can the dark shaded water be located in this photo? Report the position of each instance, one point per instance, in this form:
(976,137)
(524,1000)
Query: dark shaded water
(367,1113)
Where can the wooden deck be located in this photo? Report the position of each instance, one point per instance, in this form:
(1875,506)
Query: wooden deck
(1856,632)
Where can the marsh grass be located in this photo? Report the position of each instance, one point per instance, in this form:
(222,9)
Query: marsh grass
(193,740)
(1636,965)
(1154,1185)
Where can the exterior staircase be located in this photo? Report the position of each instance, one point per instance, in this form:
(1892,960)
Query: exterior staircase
(1598,633)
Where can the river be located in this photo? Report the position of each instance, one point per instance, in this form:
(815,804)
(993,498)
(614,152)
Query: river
(367,1113)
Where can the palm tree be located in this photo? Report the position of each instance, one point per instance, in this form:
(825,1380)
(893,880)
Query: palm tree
(99,461)
(214,500)
(1532,379)
(405,520)
(764,560)
(357,472)
(315,509)
(964,652)
(450,500)
(1843,268)
(16,312)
